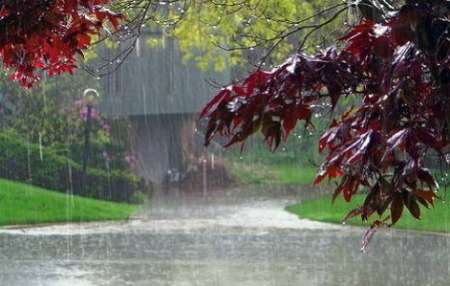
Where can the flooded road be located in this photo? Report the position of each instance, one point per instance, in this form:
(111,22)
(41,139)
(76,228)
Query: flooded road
(226,239)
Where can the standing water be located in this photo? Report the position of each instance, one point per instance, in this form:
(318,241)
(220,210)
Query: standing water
(228,238)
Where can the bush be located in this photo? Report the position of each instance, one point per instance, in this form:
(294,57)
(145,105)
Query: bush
(45,168)
(116,154)
(137,198)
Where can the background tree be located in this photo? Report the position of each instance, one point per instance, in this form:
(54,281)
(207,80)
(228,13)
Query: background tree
(227,33)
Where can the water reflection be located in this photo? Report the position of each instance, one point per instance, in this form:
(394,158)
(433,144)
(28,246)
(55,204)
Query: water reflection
(219,241)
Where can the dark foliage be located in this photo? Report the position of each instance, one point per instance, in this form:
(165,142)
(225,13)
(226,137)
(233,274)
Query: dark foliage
(23,162)
(46,35)
(399,67)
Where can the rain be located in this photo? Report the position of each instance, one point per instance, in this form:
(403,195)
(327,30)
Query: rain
(105,178)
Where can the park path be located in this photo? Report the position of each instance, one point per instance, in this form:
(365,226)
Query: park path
(224,239)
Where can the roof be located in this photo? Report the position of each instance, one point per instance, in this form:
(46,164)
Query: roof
(157,81)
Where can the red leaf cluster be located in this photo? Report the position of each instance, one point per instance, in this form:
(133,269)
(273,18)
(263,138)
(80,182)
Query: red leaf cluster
(400,70)
(46,35)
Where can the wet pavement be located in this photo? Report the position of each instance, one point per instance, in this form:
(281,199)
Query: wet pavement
(224,239)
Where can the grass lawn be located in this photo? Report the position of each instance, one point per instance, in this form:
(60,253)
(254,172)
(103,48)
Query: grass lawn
(26,204)
(276,174)
(436,219)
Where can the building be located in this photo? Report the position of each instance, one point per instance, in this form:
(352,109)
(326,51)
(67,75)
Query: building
(161,96)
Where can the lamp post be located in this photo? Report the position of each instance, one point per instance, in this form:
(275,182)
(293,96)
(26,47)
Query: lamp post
(90,95)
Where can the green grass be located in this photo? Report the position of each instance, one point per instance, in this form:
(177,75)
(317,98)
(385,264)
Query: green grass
(435,219)
(272,174)
(26,204)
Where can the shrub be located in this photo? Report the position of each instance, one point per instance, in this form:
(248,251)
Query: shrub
(137,198)
(45,168)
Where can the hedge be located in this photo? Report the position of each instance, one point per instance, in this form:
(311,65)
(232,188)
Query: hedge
(23,162)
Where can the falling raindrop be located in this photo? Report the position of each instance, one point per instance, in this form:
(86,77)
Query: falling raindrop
(138,47)
(41,153)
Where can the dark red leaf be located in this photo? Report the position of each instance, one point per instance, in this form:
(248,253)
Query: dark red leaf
(427,195)
(289,122)
(425,176)
(429,139)
(398,140)
(396,208)
(352,214)
(215,102)
(413,207)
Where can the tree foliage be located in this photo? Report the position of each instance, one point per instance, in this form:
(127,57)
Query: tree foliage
(226,33)
(46,35)
(398,64)
(223,32)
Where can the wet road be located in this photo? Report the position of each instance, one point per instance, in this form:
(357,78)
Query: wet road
(220,240)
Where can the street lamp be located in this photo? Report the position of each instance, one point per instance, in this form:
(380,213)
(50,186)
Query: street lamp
(90,96)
